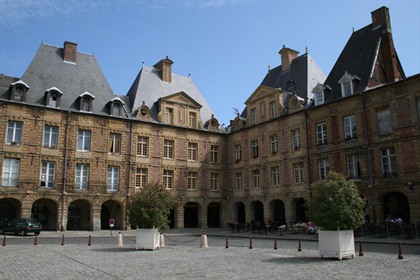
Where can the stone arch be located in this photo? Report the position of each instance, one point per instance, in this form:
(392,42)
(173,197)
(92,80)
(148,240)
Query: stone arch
(79,216)
(299,211)
(239,212)
(213,214)
(46,211)
(277,212)
(111,209)
(396,204)
(9,208)
(192,215)
(257,211)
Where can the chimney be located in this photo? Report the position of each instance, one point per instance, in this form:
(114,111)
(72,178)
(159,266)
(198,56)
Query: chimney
(69,52)
(287,56)
(165,68)
(392,69)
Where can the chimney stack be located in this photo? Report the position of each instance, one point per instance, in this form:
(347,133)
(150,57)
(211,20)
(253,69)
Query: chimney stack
(287,56)
(70,52)
(165,68)
(381,17)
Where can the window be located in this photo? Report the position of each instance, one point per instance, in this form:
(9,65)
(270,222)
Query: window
(214,178)
(323,168)
(253,116)
(114,144)
(142,146)
(321,134)
(10,172)
(168,149)
(275,176)
(82,176)
(83,140)
(346,88)
(389,162)
(296,139)
(256,178)
(18,91)
(298,172)
(214,154)
(274,144)
(346,83)
(191,180)
(238,180)
(254,148)
(353,169)
(86,100)
(350,131)
(47,174)
(14,133)
(116,108)
(50,136)
(52,97)
(169,114)
(113,178)
(141,177)
(192,151)
(383,117)
(238,152)
(272,106)
(319,98)
(168,176)
(192,119)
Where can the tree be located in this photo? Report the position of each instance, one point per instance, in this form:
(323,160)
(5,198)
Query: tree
(336,204)
(150,208)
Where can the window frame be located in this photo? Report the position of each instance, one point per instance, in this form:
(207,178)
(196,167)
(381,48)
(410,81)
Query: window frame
(274,144)
(238,180)
(192,151)
(10,172)
(49,140)
(254,149)
(384,122)
(48,170)
(238,152)
(142,146)
(323,168)
(214,182)
(141,177)
(168,149)
(275,176)
(321,134)
(353,166)
(113,179)
(214,150)
(255,179)
(14,132)
(298,172)
(296,143)
(350,127)
(114,143)
(168,179)
(83,140)
(389,162)
(81,178)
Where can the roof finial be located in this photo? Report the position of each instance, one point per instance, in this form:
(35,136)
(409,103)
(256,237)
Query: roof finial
(269,68)
(306,48)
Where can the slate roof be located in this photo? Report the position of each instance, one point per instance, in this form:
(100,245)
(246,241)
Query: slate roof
(5,82)
(48,70)
(148,88)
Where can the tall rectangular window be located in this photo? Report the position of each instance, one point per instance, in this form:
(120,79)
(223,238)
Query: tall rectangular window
(168,149)
(82,176)
(383,117)
(238,180)
(141,177)
(113,179)
(168,178)
(114,144)
(298,172)
(319,98)
(47,174)
(83,140)
(10,172)
(253,116)
(192,180)
(254,148)
(347,88)
(275,176)
(389,162)
(323,168)
(255,179)
(50,136)
(350,130)
(14,133)
(353,169)
(169,115)
(272,106)
(193,151)
(296,139)
(321,134)
(142,146)
(214,184)
(214,154)
(238,152)
(192,119)
(274,140)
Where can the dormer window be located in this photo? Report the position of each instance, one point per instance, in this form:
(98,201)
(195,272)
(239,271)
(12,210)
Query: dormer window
(116,107)
(347,84)
(18,91)
(52,97)
(319,93)
(86,102)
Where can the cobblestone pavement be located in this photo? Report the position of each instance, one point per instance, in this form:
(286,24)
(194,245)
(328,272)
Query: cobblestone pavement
(183,258)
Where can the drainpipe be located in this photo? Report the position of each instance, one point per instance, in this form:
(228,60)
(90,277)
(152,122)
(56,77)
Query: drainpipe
(372,184)
(66,162)
(128,173)
(308,153)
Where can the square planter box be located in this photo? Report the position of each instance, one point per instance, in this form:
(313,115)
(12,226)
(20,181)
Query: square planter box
(336,244)
(147,239)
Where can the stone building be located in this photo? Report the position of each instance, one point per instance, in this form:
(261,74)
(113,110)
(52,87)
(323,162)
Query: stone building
(74,151)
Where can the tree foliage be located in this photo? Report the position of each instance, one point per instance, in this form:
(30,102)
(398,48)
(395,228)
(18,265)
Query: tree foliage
(150,208)
(336,204)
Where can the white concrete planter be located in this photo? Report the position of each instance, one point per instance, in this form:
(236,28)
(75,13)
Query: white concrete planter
(336,244)
(147,239)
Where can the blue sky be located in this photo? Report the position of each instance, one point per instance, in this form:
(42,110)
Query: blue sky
(225,45)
